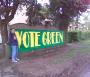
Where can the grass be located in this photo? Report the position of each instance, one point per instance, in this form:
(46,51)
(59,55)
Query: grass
(85,42)
(70,53)
(83,49)
(65,57)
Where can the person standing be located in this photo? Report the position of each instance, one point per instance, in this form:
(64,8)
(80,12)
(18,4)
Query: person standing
(14,45)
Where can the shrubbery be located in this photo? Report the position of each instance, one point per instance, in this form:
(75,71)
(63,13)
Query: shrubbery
(72,37)
(75,36)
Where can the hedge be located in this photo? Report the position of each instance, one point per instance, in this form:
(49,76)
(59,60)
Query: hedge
(76,36)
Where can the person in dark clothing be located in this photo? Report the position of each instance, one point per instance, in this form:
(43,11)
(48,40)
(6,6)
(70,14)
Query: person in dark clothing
(14,45)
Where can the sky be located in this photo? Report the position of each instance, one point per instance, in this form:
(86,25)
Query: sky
(43,1)
(21,16)
(85,14)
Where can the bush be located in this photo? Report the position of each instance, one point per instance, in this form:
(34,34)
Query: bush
(78,36)
(72,37)
(84,35)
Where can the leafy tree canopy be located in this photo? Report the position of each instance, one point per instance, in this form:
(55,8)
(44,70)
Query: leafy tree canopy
(68,8)
(8,9)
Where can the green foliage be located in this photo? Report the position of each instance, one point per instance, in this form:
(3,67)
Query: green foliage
(70,8)
(7,10)
(45,11)
(33,12)
(66,10)
(78,36)
(84,35)
(72,37)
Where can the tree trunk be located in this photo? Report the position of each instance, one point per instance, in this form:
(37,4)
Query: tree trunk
(63,25)
(4,34)
(64,28)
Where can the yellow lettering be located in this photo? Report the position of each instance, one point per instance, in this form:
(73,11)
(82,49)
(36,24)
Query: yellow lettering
(57,37)
(44,38)
(53,33)
(48,38)
(32,38)
(37,34)
(61,37)
(25,39)
(19,37)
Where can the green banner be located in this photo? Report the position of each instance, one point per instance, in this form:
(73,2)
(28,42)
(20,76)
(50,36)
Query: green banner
(29,40)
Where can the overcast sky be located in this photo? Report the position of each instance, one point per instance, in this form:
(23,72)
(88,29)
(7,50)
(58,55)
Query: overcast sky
(43,1)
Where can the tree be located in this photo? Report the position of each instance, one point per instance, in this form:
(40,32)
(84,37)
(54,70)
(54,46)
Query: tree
(32,12)
(7,11)
(45,10)
(65,10)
